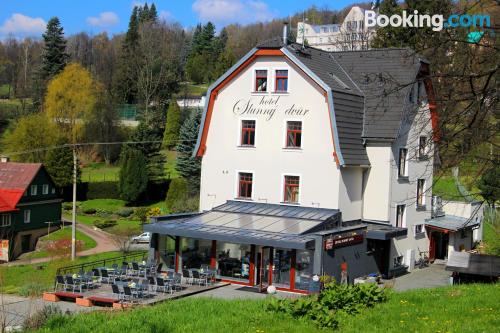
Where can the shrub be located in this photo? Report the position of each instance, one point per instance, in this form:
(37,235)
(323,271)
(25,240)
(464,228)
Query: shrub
(186,206)
(141,213)
(103,212)
(125,212)
(89,211)
(103,190)
(39,318)
(32,289)
(153,211)
(177,192)
(335,300)
(67,205)
(104,224)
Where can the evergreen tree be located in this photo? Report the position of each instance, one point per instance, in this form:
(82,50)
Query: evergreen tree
(153,14)
(188,166)
(59,164)
(177,191)
(171,134)
(133,177)
(54,55)
(489,185)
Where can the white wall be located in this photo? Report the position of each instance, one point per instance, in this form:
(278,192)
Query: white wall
(377,184)
(269,161)
(350,194)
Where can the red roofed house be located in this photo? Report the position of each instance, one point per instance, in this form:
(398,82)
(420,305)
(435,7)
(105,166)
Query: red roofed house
(30,203)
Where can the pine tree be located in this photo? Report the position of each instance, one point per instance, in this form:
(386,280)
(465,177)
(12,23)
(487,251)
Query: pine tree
(59,165)
(153,13)
(133,177)
(171,134)
(54,56)
(188,166)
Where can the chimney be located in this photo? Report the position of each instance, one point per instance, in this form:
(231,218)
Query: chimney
(285,33)
(4,159)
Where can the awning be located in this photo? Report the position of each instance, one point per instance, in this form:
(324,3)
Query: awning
(451,223)
(250,223)
(383,231)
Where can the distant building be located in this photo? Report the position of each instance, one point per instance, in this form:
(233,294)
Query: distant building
(30,206)
(350,35)
(192,102)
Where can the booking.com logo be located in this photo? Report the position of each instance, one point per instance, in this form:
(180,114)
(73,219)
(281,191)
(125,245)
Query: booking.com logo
(416,20)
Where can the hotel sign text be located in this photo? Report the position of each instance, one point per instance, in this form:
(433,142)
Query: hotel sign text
(331,243)
(267,107)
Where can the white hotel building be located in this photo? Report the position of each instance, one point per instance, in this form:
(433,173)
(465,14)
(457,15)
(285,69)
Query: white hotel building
(312,159)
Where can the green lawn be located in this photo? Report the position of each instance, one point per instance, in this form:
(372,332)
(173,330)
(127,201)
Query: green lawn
(88,242)
(100,172)
(491,233)
(191,89)
(4,90)
(445,187)
(18,279)
(466,308)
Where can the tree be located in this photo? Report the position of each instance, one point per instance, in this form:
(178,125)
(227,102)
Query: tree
(27,134)
(54,52)
(133,177)
(171,134)
(59,164)
(188,166)
(177,191)
(71,97)
(489,185)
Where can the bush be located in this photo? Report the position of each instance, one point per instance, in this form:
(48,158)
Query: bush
(125,212)
(104,224)
(103,190)
(334,301)
(39,318)
(67,205)
(141,213)
(103,212)
(186,206)
(89,211)
(177,192)
(32,289)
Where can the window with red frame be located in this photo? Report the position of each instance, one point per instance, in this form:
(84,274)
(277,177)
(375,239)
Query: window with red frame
(245,185)
(291,189)
(281,80)
(261,80)
(248,132)
(293,134)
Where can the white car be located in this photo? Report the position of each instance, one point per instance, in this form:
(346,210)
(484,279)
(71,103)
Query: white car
(142,238)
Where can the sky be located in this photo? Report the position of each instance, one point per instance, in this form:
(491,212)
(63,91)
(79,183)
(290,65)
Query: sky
(28,18)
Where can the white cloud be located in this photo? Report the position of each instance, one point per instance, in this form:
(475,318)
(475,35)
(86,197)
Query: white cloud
(165,15)
(20,25)
(104,20)
(232,11)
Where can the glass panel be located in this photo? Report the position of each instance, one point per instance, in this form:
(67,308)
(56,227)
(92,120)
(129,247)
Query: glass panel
(233,261)
(195,252)
(166,248)
(303,269)
(281,267)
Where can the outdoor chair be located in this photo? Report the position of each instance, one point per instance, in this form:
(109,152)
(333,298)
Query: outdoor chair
(158,269)
(135,269)
(197,278)
(177,281)
(60,282)
(106,278)
(161,285)
(96,275)
(117,291)
(152,283)
(70,282)
(129,295)
(122,273)
(186,274)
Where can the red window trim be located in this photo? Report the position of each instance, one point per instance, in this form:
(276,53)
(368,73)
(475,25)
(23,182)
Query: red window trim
(287,184)
(294,132)
(278,77)
(245,182)
(257,77)
(247,129)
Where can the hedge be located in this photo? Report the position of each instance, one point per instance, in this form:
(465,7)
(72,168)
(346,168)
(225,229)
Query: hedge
(103,190)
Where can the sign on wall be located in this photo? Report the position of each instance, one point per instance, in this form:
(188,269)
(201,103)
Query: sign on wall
(266,107)
(332,242)
(4,249)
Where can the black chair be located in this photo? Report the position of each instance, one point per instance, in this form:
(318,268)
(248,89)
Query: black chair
(186,274)
(135,269)
(70,282)
(161,285)
(152,283)
(129,295)
(117,291)
(158,269)
(197,278)
(60,281)
(105,277)
(177,282)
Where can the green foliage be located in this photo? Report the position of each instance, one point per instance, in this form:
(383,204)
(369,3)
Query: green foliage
(177,191)
(103,190)
(59,164)
(104,224)
(67,205)
(54,55)
(189,167)
(40,317)
(141,213)
(32,289)
(125,212)
(187,206)
(133,176)
(491,232)
(89,211)
(489,185)
(335,300)
(171,134)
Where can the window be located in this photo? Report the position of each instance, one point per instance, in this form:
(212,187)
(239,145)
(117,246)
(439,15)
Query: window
(293,134)
(34,189)
(419,228)
(5,220)
(398,261)
(245,185)
(261,80)
(303,269)
(411,95)
(400,216)
(45,189)
(291,189)
(248,132)
(403,153)
(195,253)
(53,190)
(27,216)
(233,261)
(419,91)
(166,247)
(420,192)
(281,267)
(422,147)
(281,80)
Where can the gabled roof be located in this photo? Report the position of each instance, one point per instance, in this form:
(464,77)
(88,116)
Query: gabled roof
(14,181)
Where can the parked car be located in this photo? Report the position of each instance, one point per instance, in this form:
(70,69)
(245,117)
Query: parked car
(142,238)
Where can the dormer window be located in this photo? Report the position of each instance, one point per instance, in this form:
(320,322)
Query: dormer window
(261,80)
(34,189)
(281,80)
(45,189)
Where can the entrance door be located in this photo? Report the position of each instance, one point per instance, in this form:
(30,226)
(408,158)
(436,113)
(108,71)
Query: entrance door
(264,268)
(25,243)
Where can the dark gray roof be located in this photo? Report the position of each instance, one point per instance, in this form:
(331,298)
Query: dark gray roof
(383,231)
(452,223)
(384,76)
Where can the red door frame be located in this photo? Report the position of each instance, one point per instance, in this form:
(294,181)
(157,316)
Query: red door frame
(177,250)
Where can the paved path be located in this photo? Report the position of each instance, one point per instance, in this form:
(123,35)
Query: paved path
(429,277)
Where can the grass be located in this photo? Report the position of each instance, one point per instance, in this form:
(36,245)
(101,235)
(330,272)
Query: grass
(170,170)
(100,172)
(491,233)
(445,187)
(192,90)
(88,242)
(14,279)
(4,90)
(466,308)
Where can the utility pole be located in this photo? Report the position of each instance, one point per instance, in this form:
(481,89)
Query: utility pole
(73,219)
